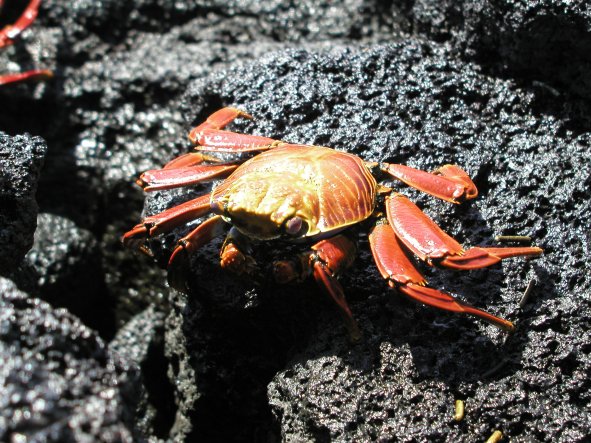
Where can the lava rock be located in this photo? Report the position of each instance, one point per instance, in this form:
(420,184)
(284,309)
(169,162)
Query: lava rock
(57,381)
(138,349)
(247,362)
(547,43)
(21,159)
(65,262)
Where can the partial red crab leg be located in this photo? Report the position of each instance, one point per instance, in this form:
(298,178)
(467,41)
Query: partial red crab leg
(159,179)
(331,256)
(430,243)
(211,138)
(35,75)
(178,263)
(10,32)
(218,120)
(398,270)
(450,182)
(166,221)
(190,159)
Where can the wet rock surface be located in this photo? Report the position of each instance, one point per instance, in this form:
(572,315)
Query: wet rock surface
(21,159)
(57,380)
(491,86)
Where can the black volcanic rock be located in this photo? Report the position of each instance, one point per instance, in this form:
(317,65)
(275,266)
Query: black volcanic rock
(57,382)
(21,159)
(545,43)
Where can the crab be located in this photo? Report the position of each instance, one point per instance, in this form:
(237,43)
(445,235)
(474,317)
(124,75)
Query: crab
(8,35)
(313,196)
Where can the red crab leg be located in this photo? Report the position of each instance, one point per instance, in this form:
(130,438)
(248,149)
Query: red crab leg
(10,32)
(430,243)
(398,270)
(210,136)
(178,263)
(329,258)
(35,75)
(166,221)
(168,178)
(450,182)
(326,260)
(190,159)
(218,120)
(235,255)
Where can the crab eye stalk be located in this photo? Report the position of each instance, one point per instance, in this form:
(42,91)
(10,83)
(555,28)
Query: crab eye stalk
(295,226)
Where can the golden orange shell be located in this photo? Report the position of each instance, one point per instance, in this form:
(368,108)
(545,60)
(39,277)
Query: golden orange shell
(338,187)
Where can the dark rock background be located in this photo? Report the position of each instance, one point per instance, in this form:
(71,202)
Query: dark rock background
(500,88)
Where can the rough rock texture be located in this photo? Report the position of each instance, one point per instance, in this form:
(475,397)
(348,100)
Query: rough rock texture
(57,382)
(65,264)
(21,158)
(497,86)
(545,43)
(139,349)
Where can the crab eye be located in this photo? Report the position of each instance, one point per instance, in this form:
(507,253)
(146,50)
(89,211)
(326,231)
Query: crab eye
(295,226)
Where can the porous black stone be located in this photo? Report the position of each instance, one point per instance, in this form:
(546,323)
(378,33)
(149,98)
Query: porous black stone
(57,382)
(21,159)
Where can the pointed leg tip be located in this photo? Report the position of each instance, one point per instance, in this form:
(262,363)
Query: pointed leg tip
(135,238)
(505,325)
(178,269)
(355,336)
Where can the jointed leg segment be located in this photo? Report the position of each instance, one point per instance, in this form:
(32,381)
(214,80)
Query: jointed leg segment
(450,182)
(325,262)
(10,33)
(400,273)
(431,244)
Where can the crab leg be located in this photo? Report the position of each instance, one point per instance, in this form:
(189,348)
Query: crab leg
(8,35)
(210,136)
(430,243)
(398,270)
(166,221)
(168,178)
(190,159)
(325,262)
(35,75)
(178,263)
(450,182)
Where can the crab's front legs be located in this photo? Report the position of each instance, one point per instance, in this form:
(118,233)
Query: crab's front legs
(325,262)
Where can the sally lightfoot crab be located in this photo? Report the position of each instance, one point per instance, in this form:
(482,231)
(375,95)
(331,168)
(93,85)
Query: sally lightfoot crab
(314,196)
(8,35)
